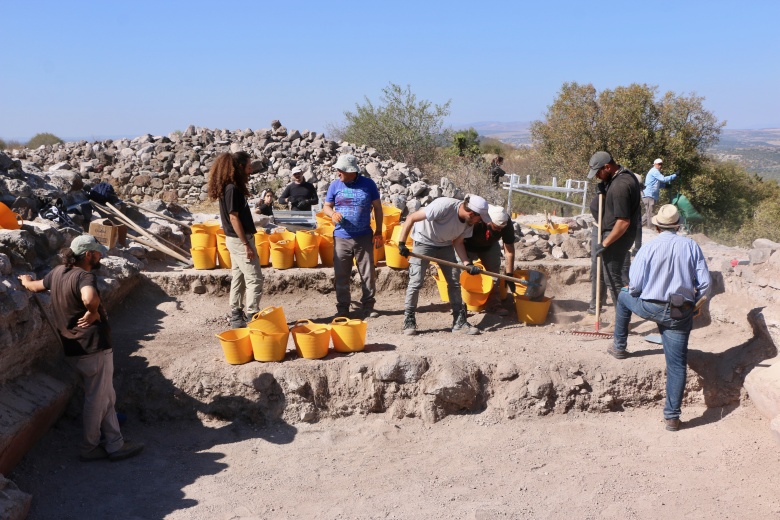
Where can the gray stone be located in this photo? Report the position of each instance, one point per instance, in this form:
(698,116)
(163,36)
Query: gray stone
(14,503)
(374,171)
(527,254)
(418,189)
(5,265)
(453,385)
(413,205)
(759,256)
(402,369)
(765,243)
(558,253)
(573,248)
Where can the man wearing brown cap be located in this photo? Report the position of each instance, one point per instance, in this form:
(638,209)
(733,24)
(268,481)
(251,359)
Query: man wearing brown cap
(668,277)
(82,326)
(620,191)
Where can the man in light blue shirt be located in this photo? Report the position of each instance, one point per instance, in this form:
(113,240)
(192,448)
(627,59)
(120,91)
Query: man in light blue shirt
(654,181)
(667,278)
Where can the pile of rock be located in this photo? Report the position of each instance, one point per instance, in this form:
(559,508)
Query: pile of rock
(174,168)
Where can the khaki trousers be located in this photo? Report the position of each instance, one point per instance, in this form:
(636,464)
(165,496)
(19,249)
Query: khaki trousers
(246,287)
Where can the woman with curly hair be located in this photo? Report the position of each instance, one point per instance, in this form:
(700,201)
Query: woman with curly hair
(228,183)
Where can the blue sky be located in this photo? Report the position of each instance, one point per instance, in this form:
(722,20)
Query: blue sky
(103,68)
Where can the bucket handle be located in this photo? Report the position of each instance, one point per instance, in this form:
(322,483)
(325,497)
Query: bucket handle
(309,249)
(340,321)
(264,333)
(302,322)
(267,310)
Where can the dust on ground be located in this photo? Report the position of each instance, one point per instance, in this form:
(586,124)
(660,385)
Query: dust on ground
(723,464)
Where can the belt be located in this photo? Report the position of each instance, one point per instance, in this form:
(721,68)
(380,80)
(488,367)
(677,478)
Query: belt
(685,306)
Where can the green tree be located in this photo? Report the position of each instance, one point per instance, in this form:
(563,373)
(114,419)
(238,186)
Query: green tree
(465,143)
(3,145)
(631,122)
(43,139)
(400,127)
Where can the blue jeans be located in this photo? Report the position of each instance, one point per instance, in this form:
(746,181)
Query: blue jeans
(674,332)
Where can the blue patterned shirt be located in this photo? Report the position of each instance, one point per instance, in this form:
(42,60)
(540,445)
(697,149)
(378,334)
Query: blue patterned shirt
(668,265)
(354,201)
(653,181)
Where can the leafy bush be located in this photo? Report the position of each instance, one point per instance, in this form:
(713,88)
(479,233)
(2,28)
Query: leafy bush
(45,138)
(489,145)
(465,143)
(11,144)
(401,127)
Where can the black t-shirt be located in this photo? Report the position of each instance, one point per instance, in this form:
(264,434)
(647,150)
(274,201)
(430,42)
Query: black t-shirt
(266,209)
(67,308)
(482,237)
(302,195)
(622,201)
(233,200)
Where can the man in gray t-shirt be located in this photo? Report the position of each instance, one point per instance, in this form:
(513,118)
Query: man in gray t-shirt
(438,230)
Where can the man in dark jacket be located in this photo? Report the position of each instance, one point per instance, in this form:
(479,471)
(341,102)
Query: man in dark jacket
(299,194)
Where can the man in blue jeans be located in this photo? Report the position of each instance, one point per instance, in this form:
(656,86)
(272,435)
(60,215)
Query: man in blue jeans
(668,276)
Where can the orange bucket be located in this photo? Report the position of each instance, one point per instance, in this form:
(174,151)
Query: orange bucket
(348,335)
(531,312)
(268,346)
(393,258)
(9,219)
(311,339)
(270,319)
(282,254)
(204,257)
(326,249)
(475,290)
(223,255)
(236,346)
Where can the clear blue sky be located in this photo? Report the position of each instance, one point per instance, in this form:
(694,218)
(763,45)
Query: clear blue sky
(93,69)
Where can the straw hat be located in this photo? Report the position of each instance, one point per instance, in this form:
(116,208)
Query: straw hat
(668,217)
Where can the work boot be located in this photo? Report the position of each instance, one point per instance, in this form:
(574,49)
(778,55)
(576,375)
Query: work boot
(459,324)
(128,449)
(370,312)
(237,319)
(342,312)
(410,324)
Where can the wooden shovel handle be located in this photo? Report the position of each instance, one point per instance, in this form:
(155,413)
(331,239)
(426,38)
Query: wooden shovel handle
(463,267)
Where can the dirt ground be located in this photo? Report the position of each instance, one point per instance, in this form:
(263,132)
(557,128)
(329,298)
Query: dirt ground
(480,465)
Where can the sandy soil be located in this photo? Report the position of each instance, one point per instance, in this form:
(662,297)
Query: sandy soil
(476,465)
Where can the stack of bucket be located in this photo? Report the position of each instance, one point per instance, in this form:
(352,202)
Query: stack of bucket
(203,241)
(282,248)
(392,257)
(307,244)
(265,338)
(474,289)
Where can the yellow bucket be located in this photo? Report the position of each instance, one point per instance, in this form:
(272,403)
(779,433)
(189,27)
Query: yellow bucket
(326,230)
(311,339)
(523,275)
(223,255)
(212,226)
(379,254)
(390,215)
(322,219)
(204,257)
(278,236)
(282,254)
(475,290)
(307,256)
(263,245)
(555,229)
(236,346)
(387,230)
(326,250)
(530,312)
(270,319)
(304,239)
(393,258)
(348,335)
(9,219)
(441,285)
(268,346)
(202,238)
(396,234)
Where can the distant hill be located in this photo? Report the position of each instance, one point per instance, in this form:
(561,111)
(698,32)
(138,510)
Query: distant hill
(757,150)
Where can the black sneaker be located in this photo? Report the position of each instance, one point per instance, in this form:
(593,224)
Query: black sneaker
(370,313)
(617,354)
(459,324)
(410,325)
(237,319)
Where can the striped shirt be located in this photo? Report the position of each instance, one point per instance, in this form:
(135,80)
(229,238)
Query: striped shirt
(669,265)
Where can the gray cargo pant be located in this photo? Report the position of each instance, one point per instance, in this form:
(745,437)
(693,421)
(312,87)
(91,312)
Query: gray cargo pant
(418,268)
(344,250)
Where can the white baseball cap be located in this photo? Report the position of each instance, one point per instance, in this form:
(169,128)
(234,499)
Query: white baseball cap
(498,215)
(479,205)
(658,161)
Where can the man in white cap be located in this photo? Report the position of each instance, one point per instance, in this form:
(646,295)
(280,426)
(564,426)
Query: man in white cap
(299,194)
(439,231)
(483,245)
(349,202)
(654,181)
(82,326)
(667,278)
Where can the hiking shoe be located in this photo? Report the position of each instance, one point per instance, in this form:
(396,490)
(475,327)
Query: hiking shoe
(96,453)
(673,425)
(410,325)
(592,311)
(498,311)
(237,319)
(128,449)
(617,354)
(370,313)
(459,324)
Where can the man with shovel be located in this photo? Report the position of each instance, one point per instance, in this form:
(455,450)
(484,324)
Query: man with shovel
(620,192)
(439,230)
(669,279)
(82,327)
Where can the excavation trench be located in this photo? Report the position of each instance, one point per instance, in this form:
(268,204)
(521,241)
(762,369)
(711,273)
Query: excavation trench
(170,365)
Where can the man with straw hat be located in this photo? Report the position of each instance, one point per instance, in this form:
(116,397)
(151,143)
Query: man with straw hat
(667,278)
